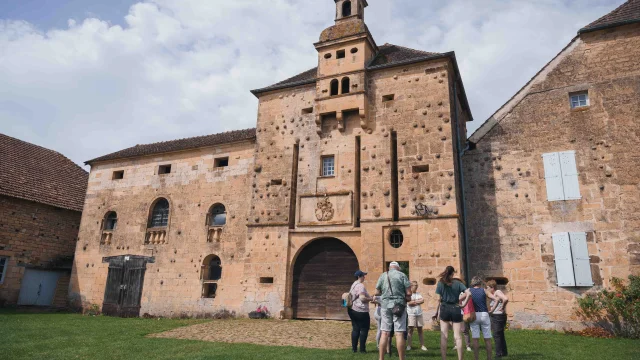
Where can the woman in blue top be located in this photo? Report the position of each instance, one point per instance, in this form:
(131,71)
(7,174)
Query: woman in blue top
(479,295)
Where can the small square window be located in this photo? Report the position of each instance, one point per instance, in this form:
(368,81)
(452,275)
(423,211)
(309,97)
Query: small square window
(340,54)
(118,175)
(164,169)
(221,162)
(4,261)
(389,97)
(328,166)
(579,100)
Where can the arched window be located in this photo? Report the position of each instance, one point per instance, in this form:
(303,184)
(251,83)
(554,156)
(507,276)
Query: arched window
(159,214)
(211,273)
(335,85)
(346,8)
(346,83)
(110,221)
(217,215)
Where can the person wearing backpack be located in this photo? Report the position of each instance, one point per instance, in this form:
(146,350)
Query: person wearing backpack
(482,322)
(394,288)
(358,309)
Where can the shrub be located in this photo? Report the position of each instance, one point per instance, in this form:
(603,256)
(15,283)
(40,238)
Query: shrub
(616,310)
(92,310)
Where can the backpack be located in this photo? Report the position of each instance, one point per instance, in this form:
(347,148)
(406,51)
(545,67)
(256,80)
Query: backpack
(469,312)
(347,299)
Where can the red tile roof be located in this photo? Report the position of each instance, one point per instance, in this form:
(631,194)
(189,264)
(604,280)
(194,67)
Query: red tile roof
(388,55)
(179,145)
(627,13)
(33,173)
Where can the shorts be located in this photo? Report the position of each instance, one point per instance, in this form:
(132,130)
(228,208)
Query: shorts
(483,322)
(450,313)
(416,321)
(390,322)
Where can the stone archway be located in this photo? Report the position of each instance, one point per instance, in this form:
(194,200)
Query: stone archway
(323,271)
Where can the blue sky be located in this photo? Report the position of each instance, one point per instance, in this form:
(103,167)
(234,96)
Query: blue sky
(88,77)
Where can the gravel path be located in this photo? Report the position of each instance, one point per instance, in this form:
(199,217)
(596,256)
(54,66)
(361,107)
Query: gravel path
(307,334)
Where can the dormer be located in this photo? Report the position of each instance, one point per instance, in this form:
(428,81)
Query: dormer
(346,9)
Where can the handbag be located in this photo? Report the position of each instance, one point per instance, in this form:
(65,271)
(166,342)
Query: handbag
(469,312)
(398,309)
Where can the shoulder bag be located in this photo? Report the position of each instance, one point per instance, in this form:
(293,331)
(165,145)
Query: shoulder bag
(398,309)
(469,312)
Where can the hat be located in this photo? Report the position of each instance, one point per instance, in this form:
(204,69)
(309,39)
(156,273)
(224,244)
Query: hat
(394,263)
(360,273)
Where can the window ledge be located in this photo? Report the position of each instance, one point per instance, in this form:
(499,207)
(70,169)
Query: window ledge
(581,108)
(210,281)
(327,177)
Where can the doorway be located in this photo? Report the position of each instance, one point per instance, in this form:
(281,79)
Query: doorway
(125,281)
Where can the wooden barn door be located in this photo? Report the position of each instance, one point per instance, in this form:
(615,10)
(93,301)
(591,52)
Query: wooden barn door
(123,291)
(323,271)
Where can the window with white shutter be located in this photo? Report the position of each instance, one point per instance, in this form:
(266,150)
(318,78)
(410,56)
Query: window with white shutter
(572,259)
(561,176)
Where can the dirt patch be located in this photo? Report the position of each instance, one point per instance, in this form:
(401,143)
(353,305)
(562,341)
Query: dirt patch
(307,334)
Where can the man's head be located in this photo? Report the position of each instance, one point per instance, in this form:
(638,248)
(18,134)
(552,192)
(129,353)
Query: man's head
(414,286)
(394,266)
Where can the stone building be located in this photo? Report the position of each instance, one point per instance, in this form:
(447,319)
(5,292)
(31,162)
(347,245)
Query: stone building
(364,160)
(283,215)
(552,184)
(41,199)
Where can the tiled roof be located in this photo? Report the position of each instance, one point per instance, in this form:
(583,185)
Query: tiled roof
(41,175)
(388,55)
(179,145)
(627,13)
(351,27)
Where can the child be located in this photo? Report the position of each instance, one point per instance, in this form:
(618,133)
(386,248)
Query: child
(414,316)
(378,316)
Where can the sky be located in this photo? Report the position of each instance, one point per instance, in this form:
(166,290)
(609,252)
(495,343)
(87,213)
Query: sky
(90,77)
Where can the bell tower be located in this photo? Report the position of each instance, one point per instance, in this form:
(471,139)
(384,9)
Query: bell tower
(346,9)
(344,50)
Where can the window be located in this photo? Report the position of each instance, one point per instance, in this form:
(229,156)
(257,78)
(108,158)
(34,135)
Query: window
(340,54)
(346,83)
(221,162)
(354,50)
(276,182)
(160,214)
(110,221)
(396,238)
(266,280)
(389,97)
(328,166)
(327,56)
(499,280)
(307,111)
(420,169)
(211,274)
(572,259)
(218,215)
(346,8)
(118,175)
(164,169)
(561,175)
(579,100)
(4,262)
(335,86)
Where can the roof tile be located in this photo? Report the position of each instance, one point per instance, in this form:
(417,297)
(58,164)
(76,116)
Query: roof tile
(627,13)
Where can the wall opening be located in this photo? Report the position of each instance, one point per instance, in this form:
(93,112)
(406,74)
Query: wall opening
(327,56)
(211,274)
(276,182)
(346,8)
(389,97)
(217,215)
(335,87)
(110,221)
(307,111)
(394,176)
(118,175)
(159,216)
(346,85)
(396,239)
(341,54)
(221,162)
(429,281)
(357,186)
(164,169)
(498,279)
(354,50)
(266,280)
(420,169)
(293,198)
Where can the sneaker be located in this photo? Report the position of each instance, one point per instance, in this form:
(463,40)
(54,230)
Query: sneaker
(469,349)
(424,348)
(454,348)
(408,348)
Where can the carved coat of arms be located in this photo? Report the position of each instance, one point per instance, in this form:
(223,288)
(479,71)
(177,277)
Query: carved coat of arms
(324,209)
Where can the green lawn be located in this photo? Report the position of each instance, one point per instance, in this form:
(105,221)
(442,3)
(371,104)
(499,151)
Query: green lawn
(71,336)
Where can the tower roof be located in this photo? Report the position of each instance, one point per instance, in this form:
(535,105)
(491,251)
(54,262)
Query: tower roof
(627,13)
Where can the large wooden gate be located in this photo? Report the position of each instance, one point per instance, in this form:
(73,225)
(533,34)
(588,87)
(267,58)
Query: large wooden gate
(124,285)
(322,273)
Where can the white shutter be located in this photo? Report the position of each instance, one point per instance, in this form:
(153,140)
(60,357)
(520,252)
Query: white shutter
(569,175)
(580,254)
(564,263)
(553,176)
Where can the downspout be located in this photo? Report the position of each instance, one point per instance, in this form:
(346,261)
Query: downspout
(462,197)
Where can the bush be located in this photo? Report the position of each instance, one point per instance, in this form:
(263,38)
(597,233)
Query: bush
(616,310)
(92,310)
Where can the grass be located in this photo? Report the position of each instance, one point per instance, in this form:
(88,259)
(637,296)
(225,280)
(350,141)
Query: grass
(72,336)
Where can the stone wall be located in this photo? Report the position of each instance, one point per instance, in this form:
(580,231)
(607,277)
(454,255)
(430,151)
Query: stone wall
(34,235)
(510,220)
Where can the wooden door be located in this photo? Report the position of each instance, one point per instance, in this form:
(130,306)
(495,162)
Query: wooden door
(123,290)
(322,273)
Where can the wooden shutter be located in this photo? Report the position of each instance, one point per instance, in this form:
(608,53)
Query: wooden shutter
(569,170)
(564,262)
(553,176)
(580,255)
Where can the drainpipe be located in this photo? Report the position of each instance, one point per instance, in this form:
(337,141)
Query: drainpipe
(462,197)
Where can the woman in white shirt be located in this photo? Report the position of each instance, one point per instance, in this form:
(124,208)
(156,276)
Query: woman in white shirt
(498,314)
(414,314)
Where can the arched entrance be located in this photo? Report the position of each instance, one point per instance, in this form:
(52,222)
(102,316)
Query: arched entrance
(322,273)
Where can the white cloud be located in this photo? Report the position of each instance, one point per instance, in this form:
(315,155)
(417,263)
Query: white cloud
(181,68)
